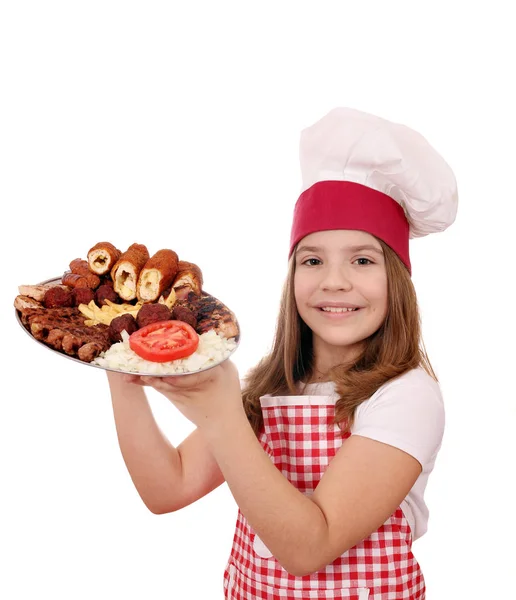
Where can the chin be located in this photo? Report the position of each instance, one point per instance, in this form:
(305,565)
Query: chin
(340,339)
(345,335)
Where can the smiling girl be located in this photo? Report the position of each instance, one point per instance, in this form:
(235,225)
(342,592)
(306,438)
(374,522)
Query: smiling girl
(328,446)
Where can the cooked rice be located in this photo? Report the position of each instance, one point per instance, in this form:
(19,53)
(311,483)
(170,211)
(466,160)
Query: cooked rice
(213,348)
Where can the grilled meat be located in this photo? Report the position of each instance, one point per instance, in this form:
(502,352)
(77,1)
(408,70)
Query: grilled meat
(23,302)
(36,291)
(74,280)
(80,267)
(63,329)
(211,314)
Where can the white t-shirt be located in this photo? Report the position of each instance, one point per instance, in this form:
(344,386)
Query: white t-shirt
(407,413)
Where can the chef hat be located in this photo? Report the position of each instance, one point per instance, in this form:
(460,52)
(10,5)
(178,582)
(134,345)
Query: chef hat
(363,172)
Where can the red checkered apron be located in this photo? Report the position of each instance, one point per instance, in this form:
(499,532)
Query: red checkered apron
(301,439)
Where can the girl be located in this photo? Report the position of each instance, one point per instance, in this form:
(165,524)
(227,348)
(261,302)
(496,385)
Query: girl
(328,447)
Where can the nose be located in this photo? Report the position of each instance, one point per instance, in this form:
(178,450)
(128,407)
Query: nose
(336,278)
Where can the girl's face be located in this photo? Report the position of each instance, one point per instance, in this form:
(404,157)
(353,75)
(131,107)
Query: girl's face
(336,271)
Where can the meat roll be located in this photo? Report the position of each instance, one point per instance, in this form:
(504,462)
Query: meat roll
(157,275)
(188,279)
(126,271)
(102,257)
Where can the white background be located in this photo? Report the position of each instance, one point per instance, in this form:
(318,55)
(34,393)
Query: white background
(177,125)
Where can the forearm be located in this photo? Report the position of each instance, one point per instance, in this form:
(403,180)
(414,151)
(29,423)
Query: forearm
(152,461)
(288,522)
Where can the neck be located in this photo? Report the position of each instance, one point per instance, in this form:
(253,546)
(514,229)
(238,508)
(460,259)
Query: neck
(326,358)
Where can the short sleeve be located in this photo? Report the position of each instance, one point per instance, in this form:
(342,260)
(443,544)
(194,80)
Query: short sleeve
(407,413)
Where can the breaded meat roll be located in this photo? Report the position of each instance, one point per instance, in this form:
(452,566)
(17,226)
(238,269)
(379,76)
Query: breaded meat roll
(126,270)
(157,275)
(102,257)
(188,279)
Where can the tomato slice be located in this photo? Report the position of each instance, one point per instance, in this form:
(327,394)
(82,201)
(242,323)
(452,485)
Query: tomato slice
(164,341)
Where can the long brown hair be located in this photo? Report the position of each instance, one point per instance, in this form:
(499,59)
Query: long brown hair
(395,348)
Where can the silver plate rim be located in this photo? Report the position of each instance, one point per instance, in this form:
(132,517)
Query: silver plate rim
(57,280)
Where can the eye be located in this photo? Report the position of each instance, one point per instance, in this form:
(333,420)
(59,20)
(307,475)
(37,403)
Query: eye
(311,262)
(363,261)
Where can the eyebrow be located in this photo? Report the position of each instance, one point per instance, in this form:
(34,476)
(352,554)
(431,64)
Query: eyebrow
(357,248)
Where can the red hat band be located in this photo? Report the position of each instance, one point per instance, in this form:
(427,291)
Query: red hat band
(331,205)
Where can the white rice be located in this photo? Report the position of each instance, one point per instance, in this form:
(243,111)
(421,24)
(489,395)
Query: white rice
(213,348)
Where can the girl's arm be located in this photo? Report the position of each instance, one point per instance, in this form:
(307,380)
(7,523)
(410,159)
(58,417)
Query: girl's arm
(166,478)
(363,485)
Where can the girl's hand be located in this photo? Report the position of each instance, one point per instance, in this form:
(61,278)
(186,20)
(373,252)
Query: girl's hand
(203,398)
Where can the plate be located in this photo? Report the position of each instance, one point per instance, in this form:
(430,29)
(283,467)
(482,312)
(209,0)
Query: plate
(57,280)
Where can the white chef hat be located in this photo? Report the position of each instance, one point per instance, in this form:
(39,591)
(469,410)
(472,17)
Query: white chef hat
(363,172)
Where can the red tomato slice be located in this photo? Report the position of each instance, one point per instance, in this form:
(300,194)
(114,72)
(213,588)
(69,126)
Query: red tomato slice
(164,341)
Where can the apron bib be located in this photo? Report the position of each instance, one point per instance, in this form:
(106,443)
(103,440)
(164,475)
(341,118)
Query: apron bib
(300,438)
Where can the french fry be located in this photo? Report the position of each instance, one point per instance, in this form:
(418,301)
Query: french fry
(107,312)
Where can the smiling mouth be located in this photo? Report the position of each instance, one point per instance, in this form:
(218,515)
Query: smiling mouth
(334,309)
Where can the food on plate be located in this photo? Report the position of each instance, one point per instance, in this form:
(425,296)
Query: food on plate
(58,296)
(102,257)
(125,322)
(211,314)
(164,341)
(106,313)
(22,303)
(36,291)
(64,329)
(106,292)
(168,298)
(127,269)
(188,279)
(152,313)
(183,313)
(213,348)
(82,296)
(80,267)
(157,275)
(140,313)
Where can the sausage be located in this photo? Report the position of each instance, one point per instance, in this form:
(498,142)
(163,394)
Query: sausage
(80,267)
(73,280)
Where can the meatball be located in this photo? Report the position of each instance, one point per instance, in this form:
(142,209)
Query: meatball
(182,313)
(118,324)
(82,296)
(106,280)
(152,313)
(58,296)
(105,292)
